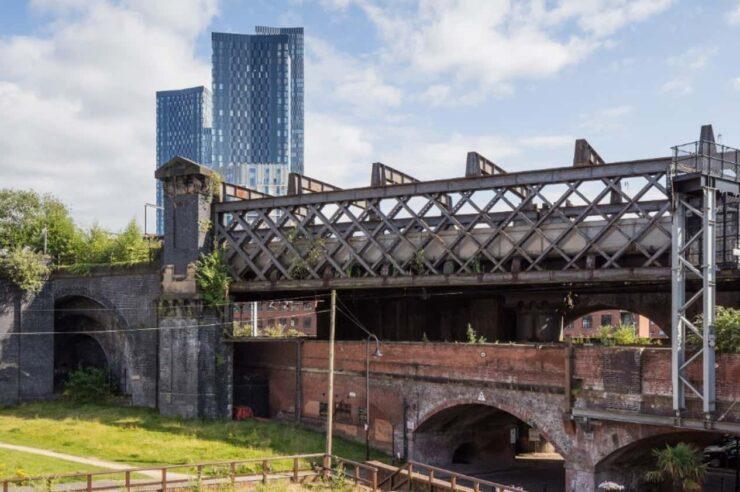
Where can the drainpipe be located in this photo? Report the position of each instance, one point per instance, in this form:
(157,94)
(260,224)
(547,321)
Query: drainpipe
(298,379)
(568,375)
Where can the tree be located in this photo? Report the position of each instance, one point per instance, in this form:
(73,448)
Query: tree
(130,246)
(25,268)
(25,215)
(681,464)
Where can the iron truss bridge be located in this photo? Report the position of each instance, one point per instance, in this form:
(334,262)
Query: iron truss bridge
(592,222)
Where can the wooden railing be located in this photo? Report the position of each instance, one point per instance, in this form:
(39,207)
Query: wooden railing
(439,479)
(202,474)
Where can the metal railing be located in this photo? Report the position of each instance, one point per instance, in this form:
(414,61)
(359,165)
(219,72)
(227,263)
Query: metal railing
(708,158)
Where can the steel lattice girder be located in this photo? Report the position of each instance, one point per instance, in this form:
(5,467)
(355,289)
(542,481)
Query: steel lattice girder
(467,226)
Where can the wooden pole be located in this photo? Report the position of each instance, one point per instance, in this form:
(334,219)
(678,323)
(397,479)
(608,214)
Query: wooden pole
(330,393)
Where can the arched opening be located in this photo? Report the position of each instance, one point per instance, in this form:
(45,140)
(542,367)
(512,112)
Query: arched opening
(489,443)
(629,464)
(83,338)
(592,323)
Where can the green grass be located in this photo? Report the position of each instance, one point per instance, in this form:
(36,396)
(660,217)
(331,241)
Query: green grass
(17,463)
(141,437)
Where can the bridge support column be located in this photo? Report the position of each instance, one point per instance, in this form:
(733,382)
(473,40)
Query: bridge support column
(195,364)
(188,193)
(580,478)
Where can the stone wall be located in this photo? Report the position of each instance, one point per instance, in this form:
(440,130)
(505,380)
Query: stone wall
(117,299)
(26,360)
(195,364)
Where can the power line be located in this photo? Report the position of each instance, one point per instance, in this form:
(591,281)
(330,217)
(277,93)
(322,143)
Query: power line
(139,308)
(137,330)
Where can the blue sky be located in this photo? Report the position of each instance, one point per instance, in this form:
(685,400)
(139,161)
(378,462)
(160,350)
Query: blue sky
(412,83)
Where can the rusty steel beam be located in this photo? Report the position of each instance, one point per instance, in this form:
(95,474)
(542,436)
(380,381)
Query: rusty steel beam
(298,184)
(240,193)
(383,175)
(457,185)
(649,275)
(585,155)
(520,227)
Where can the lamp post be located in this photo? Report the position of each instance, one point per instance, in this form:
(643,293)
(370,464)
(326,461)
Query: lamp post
(146,206)
(377,353)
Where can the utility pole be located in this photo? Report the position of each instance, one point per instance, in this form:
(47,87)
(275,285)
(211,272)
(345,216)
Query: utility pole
(330,394)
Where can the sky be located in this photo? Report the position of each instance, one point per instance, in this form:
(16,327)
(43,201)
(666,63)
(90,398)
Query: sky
(415,84)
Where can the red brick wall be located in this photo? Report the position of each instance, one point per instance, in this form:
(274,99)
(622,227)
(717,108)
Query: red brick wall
(635,379)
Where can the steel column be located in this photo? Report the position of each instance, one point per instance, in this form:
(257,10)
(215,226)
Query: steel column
(709,284)
(678,298)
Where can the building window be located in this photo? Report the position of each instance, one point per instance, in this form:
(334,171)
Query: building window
(587,322)
(627,319)
(606,320)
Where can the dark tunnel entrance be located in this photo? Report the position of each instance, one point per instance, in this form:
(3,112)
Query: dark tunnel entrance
(75,344)
(489,443)
(75,351)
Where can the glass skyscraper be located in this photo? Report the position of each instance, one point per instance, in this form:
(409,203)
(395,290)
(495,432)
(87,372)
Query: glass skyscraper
(258,107)
(183,128)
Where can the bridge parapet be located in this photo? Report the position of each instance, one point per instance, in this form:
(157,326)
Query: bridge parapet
(483,229)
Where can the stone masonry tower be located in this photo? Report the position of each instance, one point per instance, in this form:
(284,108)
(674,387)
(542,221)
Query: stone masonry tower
(195,365)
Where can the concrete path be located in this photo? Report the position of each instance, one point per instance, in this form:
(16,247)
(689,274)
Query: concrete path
(106,465)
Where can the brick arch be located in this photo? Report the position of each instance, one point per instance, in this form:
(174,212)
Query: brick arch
(555,436)
(116,343)
(655,306)
(64,293)
(619,458)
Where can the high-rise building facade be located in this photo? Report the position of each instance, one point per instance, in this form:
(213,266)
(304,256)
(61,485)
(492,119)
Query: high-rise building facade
(184,120)
(258,107)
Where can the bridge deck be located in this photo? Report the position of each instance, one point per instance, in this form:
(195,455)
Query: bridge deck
(576,224)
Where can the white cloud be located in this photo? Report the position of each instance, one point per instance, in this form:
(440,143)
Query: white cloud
(693,58)
(736,83)
(337,77)
(78,101)
(733,16)
(606,120)
(687,65)
(336,149)
(679,86)
(488,44)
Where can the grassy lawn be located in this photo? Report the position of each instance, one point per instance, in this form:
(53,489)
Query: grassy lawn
(141,437)
(18,463)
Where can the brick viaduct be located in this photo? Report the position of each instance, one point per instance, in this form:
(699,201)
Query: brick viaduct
(599,407)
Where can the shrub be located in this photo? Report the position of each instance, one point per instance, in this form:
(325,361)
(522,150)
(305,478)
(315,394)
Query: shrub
(88,385)
(726,330)
(25,268)
(621,335)
(213,278)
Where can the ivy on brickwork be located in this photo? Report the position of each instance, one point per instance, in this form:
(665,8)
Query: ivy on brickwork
(38,235)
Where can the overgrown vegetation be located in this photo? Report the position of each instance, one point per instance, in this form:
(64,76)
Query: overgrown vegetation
(621,335)
(88,385)
(472,336)
(213,278)
(300,267)
(726,330)
(680,465)
(31,224)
